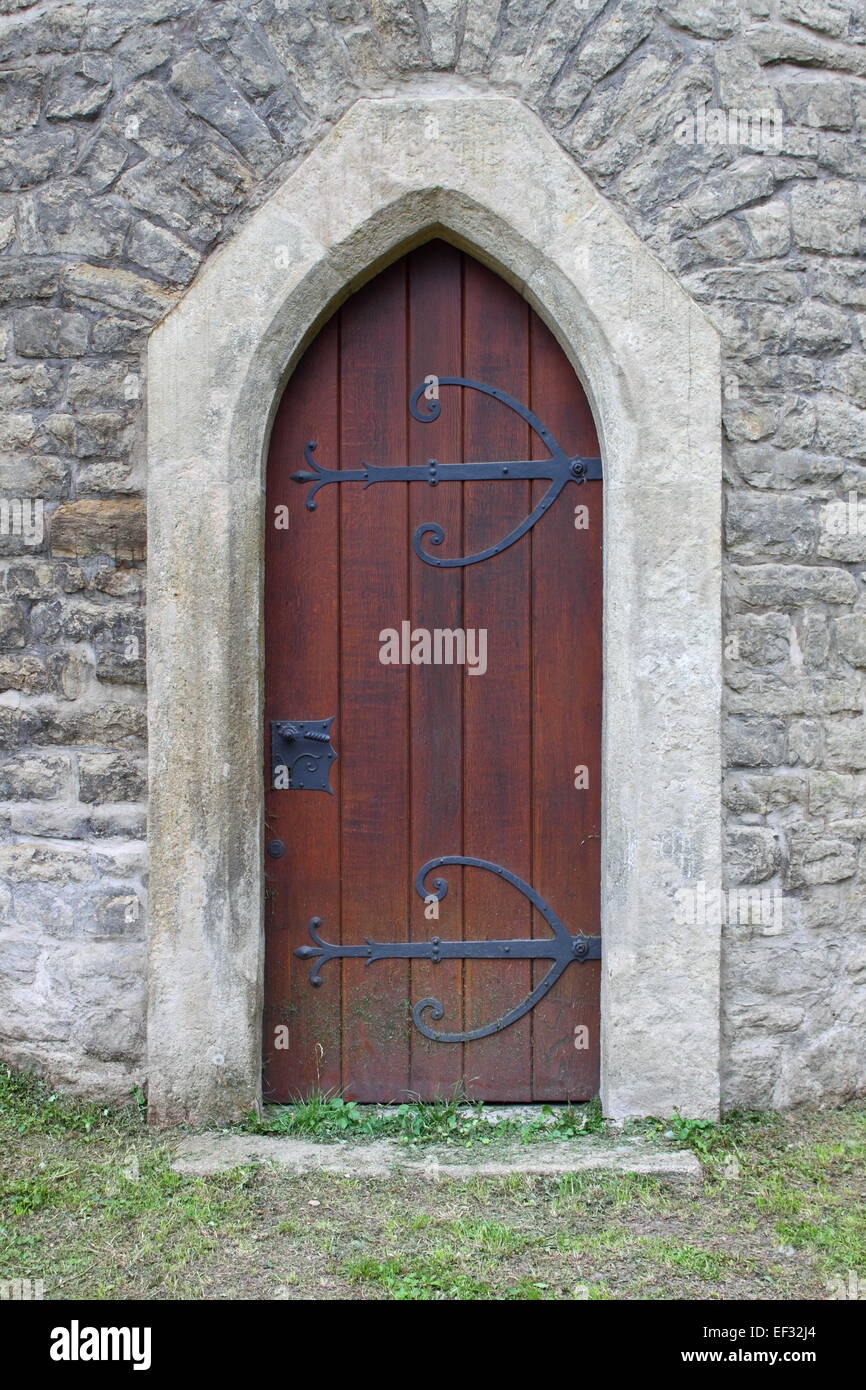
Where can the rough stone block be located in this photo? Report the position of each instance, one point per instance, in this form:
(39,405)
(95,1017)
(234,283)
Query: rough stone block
(758,526)
(78,88)
(35,777)
(752,854)
(846,743)
(819,860)
(41,864)
(835,794)
(750,795)
(20,99)
(820,328)
(202,87)
(111,777)
(116,527)
(782,586)
(116,288)
(755,742)
(41,332)
(50,821)
(826,217)
(851,638)
(115,724)
(161,252)
(758,639)
(33,158)
(13,628)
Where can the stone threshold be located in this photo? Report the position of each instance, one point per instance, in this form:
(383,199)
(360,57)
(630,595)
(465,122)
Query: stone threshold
(203,1154)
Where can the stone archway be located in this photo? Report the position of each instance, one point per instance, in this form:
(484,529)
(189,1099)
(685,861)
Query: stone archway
(483,172)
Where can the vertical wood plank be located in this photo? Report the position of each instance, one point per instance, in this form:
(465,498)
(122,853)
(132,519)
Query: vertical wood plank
(374,697)
(566,690)
(301,670)
(436,703)
(498,771)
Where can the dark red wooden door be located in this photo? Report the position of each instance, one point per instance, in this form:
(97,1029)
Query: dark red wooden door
(432,761)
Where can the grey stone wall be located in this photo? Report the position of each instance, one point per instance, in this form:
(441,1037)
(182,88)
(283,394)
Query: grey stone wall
(729,134)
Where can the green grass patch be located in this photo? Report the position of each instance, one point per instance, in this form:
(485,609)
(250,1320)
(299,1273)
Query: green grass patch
(327,1116)
(437,1276)
(89,1203)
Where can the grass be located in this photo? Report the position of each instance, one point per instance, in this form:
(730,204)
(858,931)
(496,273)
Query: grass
(326,1116)
(90,1205)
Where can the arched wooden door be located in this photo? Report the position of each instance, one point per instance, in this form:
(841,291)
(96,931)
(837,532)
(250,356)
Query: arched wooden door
(483,746)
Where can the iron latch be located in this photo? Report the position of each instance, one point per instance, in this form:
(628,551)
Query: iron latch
(301,754)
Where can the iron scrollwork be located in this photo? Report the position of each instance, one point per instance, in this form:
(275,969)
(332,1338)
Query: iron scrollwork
(562,948)
(559,469)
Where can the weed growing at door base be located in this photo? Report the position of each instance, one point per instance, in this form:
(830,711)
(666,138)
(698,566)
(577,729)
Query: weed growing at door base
(90,1205)
(326,1116)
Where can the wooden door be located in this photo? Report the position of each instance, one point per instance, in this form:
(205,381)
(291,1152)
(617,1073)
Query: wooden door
(428,755)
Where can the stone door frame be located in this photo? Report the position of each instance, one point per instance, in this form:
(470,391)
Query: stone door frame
(482,172)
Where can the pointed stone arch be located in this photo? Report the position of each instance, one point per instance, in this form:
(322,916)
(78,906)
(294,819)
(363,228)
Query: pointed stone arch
(482,172)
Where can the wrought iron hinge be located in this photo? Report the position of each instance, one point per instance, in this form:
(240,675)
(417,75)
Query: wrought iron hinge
(562,948)
(560,468)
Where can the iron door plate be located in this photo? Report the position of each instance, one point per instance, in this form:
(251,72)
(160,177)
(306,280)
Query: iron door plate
(301,754)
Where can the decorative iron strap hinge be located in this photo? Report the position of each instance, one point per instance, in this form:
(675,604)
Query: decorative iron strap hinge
(562,948)
(560,468)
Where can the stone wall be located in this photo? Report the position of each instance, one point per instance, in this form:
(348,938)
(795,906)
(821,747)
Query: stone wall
(729,134)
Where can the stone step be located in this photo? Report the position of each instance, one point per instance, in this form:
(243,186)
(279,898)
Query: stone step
(203,1154)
